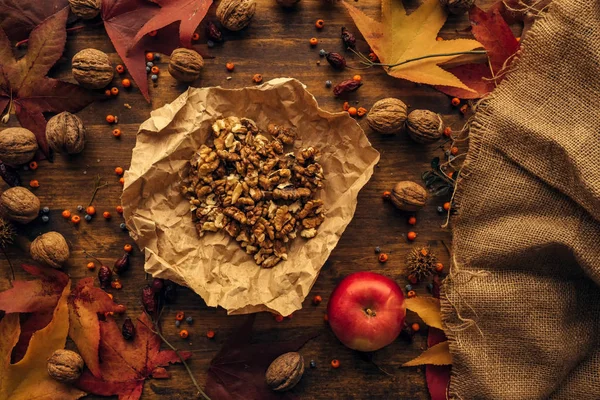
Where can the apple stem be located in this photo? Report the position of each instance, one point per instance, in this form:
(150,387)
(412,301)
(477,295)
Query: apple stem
(370,313)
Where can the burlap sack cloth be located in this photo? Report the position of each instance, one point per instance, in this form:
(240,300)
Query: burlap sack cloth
(522,302)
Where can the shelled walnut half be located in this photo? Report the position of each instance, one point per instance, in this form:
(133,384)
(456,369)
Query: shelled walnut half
(245,183)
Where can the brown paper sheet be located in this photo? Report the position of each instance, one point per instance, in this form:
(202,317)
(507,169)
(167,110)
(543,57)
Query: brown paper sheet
(215,266)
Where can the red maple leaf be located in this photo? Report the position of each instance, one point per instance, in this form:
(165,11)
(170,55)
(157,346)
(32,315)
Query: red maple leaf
(492,31)
(126,365)
(35,300)
(238,370)
(437,376)
(19,17)
(189,12)
(24,85)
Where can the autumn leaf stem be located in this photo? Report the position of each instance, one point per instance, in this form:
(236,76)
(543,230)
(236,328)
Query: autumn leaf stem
(369,63)
(6,116)
(73,29)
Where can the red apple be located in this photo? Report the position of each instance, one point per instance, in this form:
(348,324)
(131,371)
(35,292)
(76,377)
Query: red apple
(366,311)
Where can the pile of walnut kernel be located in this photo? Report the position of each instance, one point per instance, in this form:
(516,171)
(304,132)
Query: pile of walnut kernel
(244,183)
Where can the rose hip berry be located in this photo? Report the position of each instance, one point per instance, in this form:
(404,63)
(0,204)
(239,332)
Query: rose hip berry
(104,276)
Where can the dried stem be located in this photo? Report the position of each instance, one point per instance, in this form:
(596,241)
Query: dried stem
(6,116)
(370,63)
(97,186)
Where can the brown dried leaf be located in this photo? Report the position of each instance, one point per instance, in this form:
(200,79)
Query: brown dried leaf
(435,355)
(428,309)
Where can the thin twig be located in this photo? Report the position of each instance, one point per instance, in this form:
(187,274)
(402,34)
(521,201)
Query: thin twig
(97,187)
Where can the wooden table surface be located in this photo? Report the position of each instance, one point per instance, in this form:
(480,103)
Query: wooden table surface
(274,45)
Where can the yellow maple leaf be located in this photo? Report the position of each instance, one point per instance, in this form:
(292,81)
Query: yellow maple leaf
(400,37)
(435,355)
(428,308)
(29,379)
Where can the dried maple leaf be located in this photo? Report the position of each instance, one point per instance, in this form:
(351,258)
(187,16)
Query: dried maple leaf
(189,12)
(127,364)
(29,379)
(25,82)
(427,308)
(85,302)
(238,370)
(400,37)
(438,354)
(19,17)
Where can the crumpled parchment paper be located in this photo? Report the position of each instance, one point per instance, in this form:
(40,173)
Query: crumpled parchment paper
(215,266)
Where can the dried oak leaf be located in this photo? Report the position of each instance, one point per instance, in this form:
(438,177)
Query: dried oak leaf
(19,17)
(399,37)
(238,370)
(427,308)
(127,364)
(492,31)
(28,378)
(25,82)
(85,303)
(189,12)
(35,300)
(438,354)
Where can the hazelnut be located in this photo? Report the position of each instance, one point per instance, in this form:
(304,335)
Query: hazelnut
(285,371)
(408,196)
(65,366)
(424,126)
(51,249)
(86,9)
(65,133)
(457,6)
(92,69)
(19,205)
(17,146)
(185,65)
(236,14)
(387,116)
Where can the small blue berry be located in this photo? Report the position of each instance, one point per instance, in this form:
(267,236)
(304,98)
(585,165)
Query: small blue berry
(46,210)
(88,217)
(148,69)
(408,288)
(210,43)
(45,218)
(189,320)
(447,153)
(154,77)
(430,287)
(377,250)
(123,226)
(313,364)
(328,84)
(451,157)
(150,64)
(440,209)
(80,208)
(322,53)
(177,323)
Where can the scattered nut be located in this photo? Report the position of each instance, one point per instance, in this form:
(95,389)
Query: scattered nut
(51,249)
(92,69)
(65,366)
(65,133)
(17,146)
(185,65)
(19,205)
(236,14)
(387,116)
(86,9)
(285,371)
(424,126)
(408,196)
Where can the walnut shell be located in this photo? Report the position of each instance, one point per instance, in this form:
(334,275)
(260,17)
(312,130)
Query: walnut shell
(92,69)
(424,126)
(408,196)
(65,366)
(387,116)
(185,65)
(457,6)
(285,371)
(287,3)
(51,249)
(65,133)
(236,14)
(19,205)
(17,146)
(86,9)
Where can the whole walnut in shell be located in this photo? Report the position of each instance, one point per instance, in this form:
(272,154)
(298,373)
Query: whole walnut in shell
(65,366)
(51,249)
(387,116)
(457,6)
(424,126)
(92,69)
(285,371)
(185,65)
(86,9)
(17,146)
(65,133)
(287,3)
(408,196)
(19,205)
(236,14)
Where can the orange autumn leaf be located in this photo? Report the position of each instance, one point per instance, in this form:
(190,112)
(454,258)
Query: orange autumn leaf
(435,355)
(29,379)
(427,308)
(400,37)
